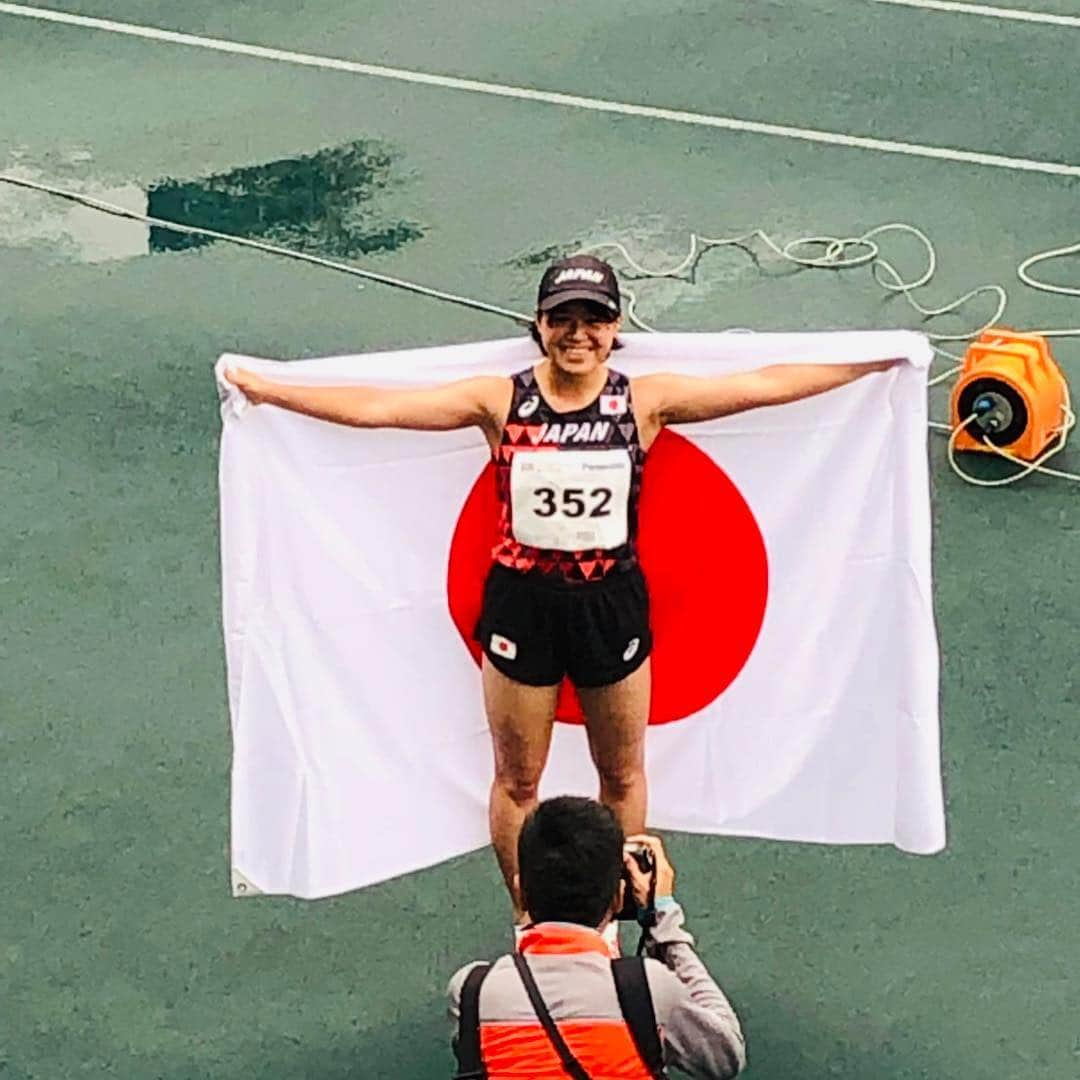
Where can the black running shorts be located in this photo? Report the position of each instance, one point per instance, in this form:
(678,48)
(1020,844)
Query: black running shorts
(535,631)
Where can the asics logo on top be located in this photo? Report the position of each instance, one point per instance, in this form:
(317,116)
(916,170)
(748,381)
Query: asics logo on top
(578,273)
(528,406)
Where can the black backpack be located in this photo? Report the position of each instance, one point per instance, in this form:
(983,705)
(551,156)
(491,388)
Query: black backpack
(631,985)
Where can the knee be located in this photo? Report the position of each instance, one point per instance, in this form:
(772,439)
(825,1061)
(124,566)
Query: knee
(618,781)
(521,787)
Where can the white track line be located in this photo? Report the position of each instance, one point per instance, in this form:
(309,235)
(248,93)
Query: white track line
(987,11)
(447,82)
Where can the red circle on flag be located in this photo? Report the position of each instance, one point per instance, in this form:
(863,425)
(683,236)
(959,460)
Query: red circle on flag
(704,560)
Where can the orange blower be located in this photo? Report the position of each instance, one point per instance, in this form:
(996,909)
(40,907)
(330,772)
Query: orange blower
(1014,392)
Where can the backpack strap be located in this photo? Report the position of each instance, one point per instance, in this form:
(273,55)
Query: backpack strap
(570,1063)
(635,1000)
(467,1048)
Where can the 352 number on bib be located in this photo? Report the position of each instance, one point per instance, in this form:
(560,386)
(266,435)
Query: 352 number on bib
(576,502)
(570,500)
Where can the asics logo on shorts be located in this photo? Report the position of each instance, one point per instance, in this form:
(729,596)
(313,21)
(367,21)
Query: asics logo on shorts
(631,649)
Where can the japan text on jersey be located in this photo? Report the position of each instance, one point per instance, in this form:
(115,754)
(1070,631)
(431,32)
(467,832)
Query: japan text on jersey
(568,484)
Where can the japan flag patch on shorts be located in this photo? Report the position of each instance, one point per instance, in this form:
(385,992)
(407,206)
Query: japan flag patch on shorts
(503,647)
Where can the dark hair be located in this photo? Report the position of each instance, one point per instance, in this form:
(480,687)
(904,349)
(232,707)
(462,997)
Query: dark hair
(534,333)
(570,861)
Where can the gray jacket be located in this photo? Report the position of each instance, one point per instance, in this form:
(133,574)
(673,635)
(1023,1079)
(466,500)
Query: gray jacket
(700,1031)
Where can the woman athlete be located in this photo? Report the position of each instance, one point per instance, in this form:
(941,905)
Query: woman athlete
(565,594)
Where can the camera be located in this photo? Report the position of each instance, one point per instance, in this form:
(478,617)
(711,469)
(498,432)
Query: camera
(643,856)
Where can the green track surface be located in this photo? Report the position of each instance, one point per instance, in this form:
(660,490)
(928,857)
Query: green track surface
(121,950)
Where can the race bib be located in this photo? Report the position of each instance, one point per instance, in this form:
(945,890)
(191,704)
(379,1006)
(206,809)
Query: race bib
(570,500)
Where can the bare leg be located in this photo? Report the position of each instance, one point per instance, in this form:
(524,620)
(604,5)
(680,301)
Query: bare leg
(616,717)
(520,718)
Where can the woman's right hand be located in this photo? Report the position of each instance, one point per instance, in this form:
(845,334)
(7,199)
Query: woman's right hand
(248,383)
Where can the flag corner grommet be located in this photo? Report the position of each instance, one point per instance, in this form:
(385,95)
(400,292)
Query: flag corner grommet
(243,886)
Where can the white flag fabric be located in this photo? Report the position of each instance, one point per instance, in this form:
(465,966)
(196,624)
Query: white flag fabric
(787,552)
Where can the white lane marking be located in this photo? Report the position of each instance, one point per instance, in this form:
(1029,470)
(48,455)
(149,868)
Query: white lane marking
(987,11)
(448,82)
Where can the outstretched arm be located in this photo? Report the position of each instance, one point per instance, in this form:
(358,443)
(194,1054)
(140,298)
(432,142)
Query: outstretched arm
(683,399)
(478,401)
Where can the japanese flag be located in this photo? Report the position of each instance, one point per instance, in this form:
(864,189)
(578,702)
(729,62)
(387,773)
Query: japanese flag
(787,553)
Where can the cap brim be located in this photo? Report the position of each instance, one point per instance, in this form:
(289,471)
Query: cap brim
(564,296)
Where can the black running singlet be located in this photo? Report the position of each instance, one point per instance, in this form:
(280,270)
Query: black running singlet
(568,484)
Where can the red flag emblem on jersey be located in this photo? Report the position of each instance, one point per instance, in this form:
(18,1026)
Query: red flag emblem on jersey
(613,404)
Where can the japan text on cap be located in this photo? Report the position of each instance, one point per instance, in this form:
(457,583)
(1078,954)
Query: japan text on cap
(581,277)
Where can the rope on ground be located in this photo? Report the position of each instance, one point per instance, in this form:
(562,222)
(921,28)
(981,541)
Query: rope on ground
(847,253)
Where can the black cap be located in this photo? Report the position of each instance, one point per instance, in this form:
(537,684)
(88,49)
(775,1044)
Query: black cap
(581,277)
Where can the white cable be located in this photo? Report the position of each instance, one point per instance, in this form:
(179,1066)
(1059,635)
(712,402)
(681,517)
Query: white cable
(837,253)
(844,253)
(1045,286)
(937,379)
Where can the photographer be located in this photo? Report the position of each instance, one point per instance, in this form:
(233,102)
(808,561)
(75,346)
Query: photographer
(561,1006)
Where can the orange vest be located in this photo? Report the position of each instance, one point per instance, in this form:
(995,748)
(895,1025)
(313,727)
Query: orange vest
(572,968)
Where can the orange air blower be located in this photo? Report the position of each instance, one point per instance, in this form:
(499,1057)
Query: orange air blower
(1015,391)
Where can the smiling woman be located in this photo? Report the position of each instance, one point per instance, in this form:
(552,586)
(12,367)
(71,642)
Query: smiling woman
(566,305)
(564,596)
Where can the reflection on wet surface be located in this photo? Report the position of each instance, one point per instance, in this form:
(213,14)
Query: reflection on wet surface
(327,203)
(321,204)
